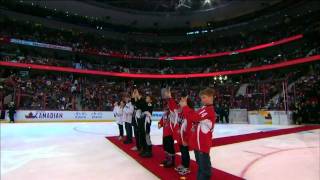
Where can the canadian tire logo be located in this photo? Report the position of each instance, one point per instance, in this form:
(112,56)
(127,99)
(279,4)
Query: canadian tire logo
(30,116)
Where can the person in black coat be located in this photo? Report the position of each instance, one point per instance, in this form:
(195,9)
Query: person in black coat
(147,115)
(225,112)
(12,111)
(218,113)
(143,110)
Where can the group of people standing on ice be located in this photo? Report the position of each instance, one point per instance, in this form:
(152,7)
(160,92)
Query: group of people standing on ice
(191,129)
(135,113)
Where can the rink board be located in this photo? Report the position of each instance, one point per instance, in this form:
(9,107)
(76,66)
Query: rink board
(68,116)
(236,116)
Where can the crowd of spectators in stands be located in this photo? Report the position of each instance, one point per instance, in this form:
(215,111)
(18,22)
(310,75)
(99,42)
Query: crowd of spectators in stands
(304,96)
(300,50)
(74,92)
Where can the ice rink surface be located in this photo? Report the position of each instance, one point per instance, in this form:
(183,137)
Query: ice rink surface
(41,151)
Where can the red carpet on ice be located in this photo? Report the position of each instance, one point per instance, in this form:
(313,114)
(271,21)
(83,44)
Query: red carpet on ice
(152,164)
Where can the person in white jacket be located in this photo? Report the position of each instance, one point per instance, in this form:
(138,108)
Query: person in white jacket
(127,118)
(118,114)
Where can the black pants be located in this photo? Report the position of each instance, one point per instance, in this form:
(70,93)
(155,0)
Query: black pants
(219,118)
(148,130)
(296,118)
(3,114)
(226,117)
(185,156)
(128,127)
(168,144)
(204,165)
(120,129)
(142,133)
(136,133)
(11,117)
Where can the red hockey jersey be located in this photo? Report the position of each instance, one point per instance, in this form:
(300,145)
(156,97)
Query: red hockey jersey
(174,117)
(169,120)
(172,105)
(184,130)
(166,125)
(203,121)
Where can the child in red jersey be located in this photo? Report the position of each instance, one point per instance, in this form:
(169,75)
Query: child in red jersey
(200,138)
(167,140)
(169,123)
(183,140)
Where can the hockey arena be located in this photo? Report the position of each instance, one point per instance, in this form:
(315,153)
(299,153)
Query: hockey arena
(160,89)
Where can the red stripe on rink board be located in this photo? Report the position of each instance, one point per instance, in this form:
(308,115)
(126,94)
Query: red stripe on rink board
(153,164)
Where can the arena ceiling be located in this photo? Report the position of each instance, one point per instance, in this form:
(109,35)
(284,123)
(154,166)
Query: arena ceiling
(162,5)
(160,13)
